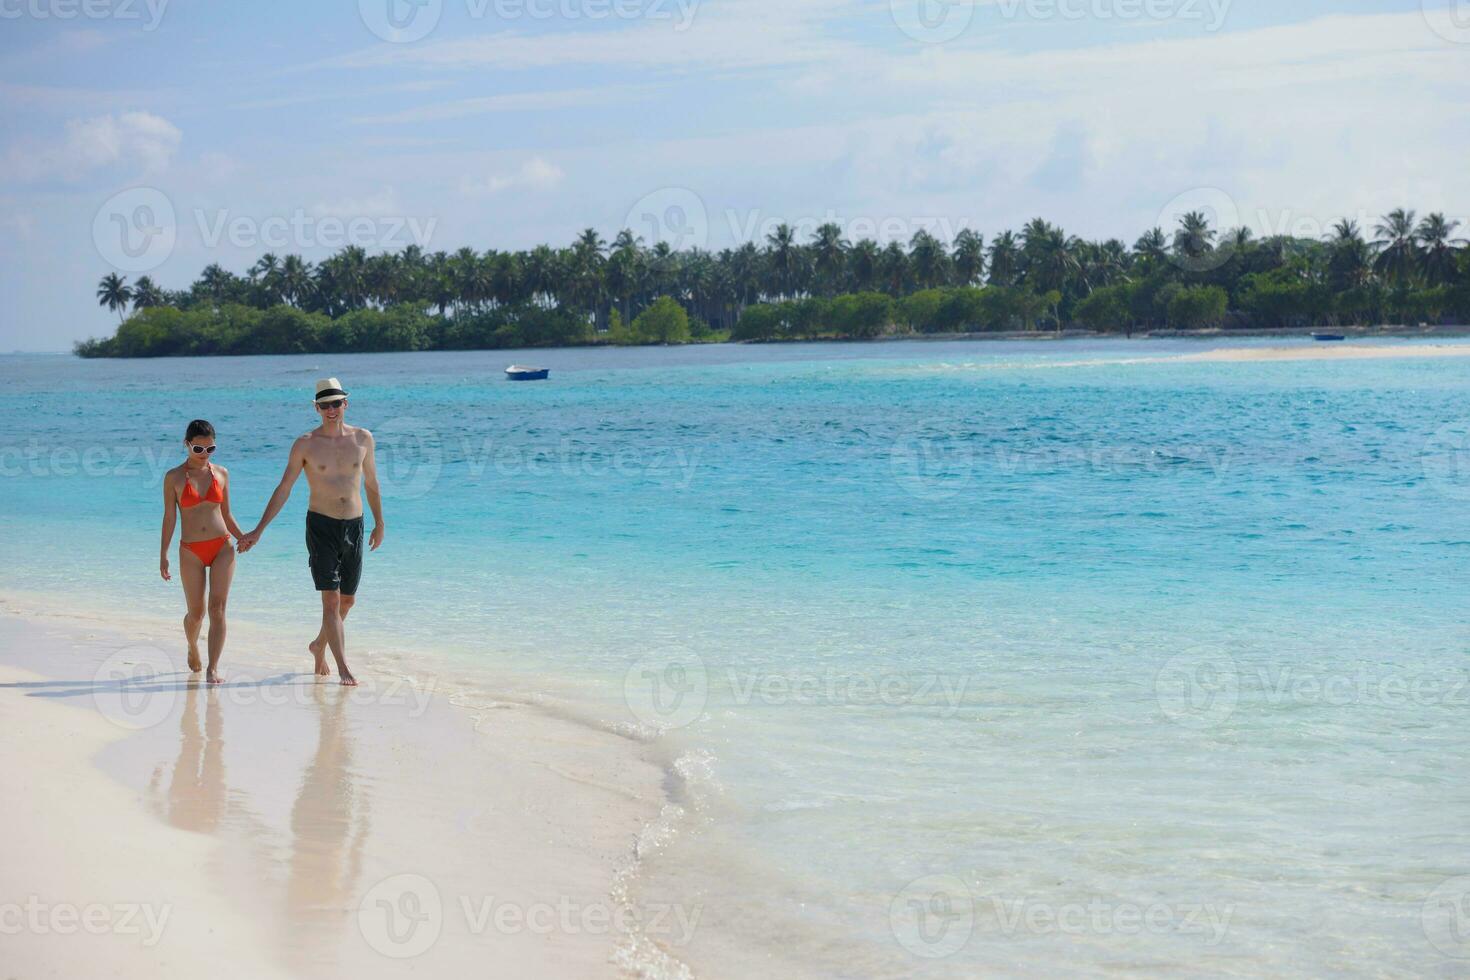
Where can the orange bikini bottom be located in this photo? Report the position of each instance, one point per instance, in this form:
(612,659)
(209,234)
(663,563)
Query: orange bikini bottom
(206,551)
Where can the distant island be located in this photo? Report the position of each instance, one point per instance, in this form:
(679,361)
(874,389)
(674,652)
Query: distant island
(1411,271)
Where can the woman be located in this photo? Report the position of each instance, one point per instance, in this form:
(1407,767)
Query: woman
(201,492)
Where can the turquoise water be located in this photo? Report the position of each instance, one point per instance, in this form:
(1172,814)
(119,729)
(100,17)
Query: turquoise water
(1001,659)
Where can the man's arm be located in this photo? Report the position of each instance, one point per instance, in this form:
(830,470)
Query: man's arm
(294,466)
(224,509)
(374,496)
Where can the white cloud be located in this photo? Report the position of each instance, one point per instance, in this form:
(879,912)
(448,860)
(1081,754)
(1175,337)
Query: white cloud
(140,142)
(535,174)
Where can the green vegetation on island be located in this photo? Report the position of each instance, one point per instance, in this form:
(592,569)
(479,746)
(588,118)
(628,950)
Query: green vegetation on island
(1412,271)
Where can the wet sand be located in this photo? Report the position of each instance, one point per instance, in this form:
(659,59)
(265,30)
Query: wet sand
(281,825)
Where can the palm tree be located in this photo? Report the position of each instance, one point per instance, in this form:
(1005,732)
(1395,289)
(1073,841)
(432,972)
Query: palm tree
(1398,252)
(382,279)
(893,269)
(1102,264)
(829,257)
(1005,260)
(968,257)
(146,293)
(295,280)
(1350,259)
(113,293)
(784,260)
(541,270)
(508,280)
(266,265)
(440,280)
(1152,248)
(1055,265)
(1194,238)
(746,270)
(1437,248)
(584,268)
(928,261)
(862,265)
(624,272)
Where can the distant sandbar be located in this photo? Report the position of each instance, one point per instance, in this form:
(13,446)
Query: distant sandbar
(1328,352)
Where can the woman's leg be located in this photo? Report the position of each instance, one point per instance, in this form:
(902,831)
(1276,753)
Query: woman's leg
(221,573)
(191,574)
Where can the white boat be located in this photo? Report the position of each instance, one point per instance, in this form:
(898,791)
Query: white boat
(520,372)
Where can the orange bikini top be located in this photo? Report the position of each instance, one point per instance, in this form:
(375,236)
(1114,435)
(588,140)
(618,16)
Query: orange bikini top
(190,497)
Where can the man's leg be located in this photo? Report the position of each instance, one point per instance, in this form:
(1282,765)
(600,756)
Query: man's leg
(318,646)
(332,630)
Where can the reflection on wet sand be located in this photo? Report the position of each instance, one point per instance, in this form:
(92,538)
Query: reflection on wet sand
(196,791)
(329,826)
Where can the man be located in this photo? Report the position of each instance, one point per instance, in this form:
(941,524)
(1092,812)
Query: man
(337,459)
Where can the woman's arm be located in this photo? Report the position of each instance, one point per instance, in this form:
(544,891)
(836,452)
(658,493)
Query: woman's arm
(224,509)
(170,516)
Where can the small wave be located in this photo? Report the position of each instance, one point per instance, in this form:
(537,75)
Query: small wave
(692,781)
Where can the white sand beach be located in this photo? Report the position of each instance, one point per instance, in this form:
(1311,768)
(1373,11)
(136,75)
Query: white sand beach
(1332,351)
(284,826)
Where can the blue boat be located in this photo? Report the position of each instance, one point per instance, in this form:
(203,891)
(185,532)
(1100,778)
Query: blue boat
(1328,336)
(519,372)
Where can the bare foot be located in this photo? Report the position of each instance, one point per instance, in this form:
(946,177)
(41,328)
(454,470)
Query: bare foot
(347,679)
(214,676)
(318,650)
(195,664)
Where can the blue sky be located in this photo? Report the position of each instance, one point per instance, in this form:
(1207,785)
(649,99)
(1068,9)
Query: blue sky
(293,127)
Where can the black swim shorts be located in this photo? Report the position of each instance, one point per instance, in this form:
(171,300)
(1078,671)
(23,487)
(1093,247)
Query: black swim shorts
(334,547)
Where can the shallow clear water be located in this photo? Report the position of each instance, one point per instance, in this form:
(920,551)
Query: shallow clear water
(988,658)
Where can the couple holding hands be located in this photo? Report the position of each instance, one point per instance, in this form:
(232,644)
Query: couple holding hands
(338,462)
